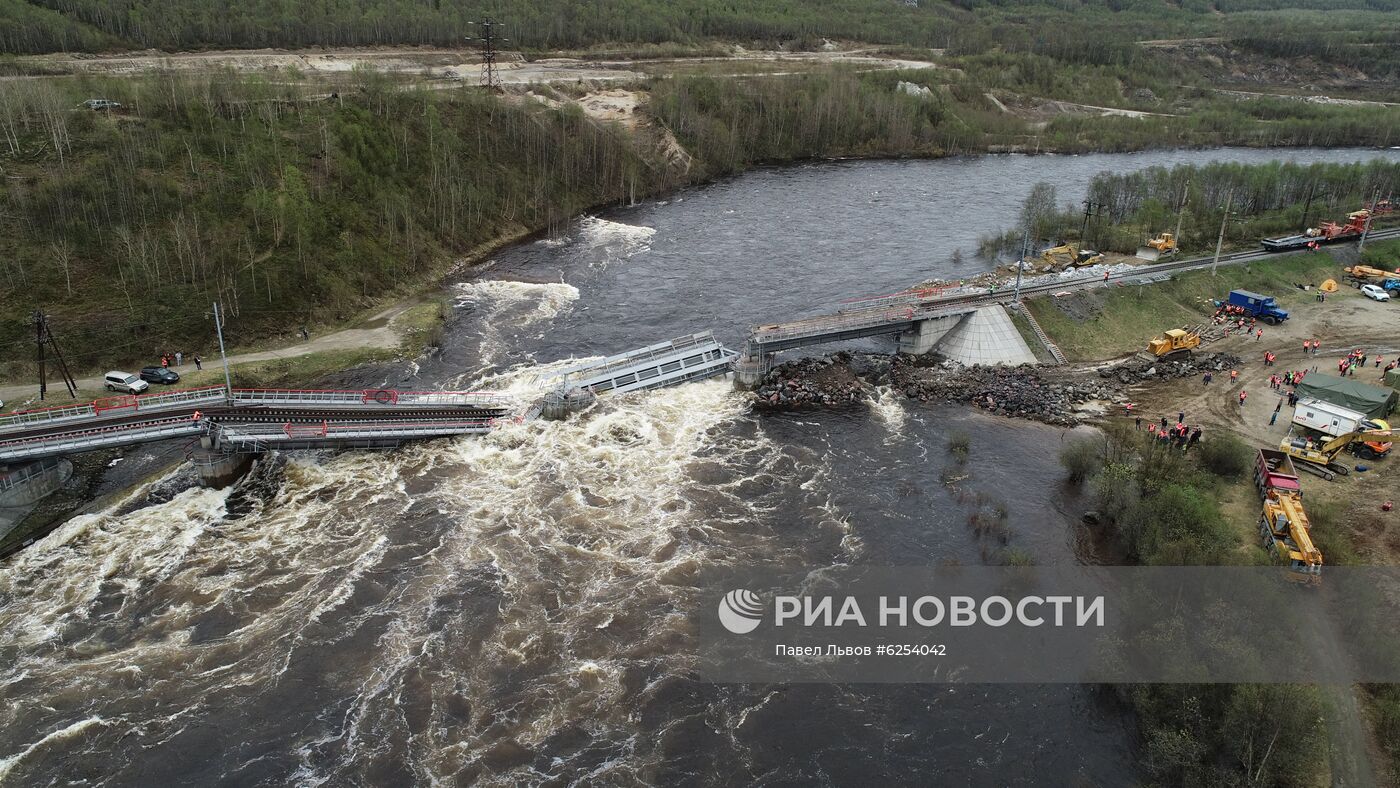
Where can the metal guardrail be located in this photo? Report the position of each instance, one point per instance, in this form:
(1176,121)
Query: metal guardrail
(23,474)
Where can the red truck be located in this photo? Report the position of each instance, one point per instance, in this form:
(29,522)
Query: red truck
(1273,470)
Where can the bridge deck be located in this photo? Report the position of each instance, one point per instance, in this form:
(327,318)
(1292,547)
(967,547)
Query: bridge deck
(368,414)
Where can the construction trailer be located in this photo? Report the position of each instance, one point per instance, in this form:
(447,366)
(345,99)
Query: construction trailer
(1329,419)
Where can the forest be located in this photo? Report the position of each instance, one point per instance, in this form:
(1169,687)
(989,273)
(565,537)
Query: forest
(294,208)
(1089,29)
(1277,198)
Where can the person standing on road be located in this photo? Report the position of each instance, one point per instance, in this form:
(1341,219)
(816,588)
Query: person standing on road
(1234,376)
(198,363)
(179,357)
(1243,394)
(1206,378)
(1274,417)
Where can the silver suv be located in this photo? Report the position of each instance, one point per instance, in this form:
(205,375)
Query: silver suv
(124,382)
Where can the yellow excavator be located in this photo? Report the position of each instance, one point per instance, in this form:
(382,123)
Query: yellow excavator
(1285,529)
(1320,456)
(1174,342)
(1163,245)
(1065,256)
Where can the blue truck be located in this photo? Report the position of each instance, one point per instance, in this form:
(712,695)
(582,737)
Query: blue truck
(1391,286)
(1255,305)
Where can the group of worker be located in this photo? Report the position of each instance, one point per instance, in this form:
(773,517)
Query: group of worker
(1356,358)
(1178,435)
(177,358)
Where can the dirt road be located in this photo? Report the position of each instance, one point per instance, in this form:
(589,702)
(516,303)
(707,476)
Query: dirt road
(379,331)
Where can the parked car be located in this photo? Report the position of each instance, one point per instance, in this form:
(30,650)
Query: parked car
(100,105)
(159,375)
(1375,293)
(124,382)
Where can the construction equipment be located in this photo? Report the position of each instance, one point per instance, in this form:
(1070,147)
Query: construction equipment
(1369,444)
(1059,258)
(1283,524)
(1163,245)
(1325,233)
(1358,275)
(1273,470)
(1328,286)
(1285,530)
(1174,342)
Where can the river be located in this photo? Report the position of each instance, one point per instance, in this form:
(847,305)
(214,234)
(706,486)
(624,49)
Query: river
(512,609)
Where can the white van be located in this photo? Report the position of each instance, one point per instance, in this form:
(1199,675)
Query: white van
(124,382)
(1327,418)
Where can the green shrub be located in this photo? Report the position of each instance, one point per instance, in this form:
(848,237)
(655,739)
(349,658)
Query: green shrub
(1082,457)
(1226,455)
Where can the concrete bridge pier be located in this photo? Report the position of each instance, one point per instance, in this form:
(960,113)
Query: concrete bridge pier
(218,467)
(926,334)
(750,369)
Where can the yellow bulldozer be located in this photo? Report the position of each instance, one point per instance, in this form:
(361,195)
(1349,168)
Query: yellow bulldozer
(1058,258)
(1163,245)
(1174,342)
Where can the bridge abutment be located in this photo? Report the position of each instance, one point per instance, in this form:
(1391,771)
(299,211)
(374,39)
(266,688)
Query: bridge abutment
(926,334)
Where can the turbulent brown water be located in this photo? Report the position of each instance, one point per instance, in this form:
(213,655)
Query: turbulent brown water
(512,609)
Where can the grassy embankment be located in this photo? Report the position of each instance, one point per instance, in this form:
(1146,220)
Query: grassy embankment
(1101,324)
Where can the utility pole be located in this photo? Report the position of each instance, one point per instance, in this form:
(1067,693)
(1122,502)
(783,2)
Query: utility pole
(1091,208)
(219,327)
(43,336)
(1180,214)
(1307,205)
(1219,241)
(1370,214)
(1021,264)
(490,41)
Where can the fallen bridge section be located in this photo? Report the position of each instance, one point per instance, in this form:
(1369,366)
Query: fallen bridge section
(676,361)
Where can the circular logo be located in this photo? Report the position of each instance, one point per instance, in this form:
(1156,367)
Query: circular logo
(740,611)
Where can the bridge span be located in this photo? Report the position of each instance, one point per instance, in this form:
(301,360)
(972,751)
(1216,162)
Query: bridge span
(249,420)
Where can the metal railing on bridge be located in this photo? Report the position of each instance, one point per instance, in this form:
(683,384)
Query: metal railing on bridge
(271,435)
(80,440)
(390,397)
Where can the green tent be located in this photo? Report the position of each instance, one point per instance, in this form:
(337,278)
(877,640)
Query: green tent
(1373,401)
(1392,378)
